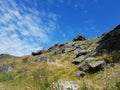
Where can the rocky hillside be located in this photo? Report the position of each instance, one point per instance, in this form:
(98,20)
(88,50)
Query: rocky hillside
(110,41)
(82,64)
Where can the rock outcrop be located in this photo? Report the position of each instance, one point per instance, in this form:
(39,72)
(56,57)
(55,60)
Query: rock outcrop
(79,38)
(110,41)
(86,50)
(6,68)
(91,66)
(39,52)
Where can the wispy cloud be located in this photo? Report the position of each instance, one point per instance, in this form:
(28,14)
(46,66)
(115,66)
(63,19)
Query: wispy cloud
(24,29)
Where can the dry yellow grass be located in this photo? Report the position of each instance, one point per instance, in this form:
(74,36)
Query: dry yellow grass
(62,69)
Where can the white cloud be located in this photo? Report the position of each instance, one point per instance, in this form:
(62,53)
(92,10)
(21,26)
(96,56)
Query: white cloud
(24,29)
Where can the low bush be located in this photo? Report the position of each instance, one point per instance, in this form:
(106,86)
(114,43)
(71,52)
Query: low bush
(6,76)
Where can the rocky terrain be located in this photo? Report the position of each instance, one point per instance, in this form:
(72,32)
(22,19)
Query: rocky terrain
(82,64)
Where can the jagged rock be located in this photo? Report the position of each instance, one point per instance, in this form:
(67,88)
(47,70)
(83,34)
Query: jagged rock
(96,66)
(83,66)
(80,74)
(57,49)
(94,53)
(38,52)
(77,50)
(79,38)
(69,49)
(77,55)
(66,85)
(89,59)
(42,59)
(92,66)
(78,60)
(110,41)
(57,52)
(6,68)
(83,52)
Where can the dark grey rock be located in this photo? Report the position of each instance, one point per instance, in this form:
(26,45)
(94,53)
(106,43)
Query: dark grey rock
(6,68)
(59,51)
(110,41)
(80,74)
(92,66)
(56,47)
(39,52)
(89,59)
(79,38)
(95,64)
(77,50)
(83,67)
(78,60)
(69,49)
(83,52)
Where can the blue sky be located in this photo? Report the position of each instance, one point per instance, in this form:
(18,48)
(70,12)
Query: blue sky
(30,25)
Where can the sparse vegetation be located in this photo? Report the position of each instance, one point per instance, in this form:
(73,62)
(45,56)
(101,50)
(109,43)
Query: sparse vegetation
(109,57)
(29,74)
(6,76)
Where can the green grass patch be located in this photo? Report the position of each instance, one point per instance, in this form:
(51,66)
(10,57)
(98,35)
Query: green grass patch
(6,76)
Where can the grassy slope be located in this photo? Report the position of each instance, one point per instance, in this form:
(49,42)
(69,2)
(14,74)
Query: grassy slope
(30,75)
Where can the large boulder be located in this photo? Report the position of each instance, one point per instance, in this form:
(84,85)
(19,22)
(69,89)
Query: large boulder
(110,41)
(91,66)
(83,67)
(78,60)
(6,68)
(80,74)
(79,38)
(96,66)
(81,53)
(57,49)
(39,52)
(66,85)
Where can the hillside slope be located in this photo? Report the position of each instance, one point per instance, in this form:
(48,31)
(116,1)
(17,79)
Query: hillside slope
(82,64)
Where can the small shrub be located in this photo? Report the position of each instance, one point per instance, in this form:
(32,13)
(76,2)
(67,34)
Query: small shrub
(115,56)
(6,76)
(40,79)
(107,57)
(118,85)
(25,60)
(110,57)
